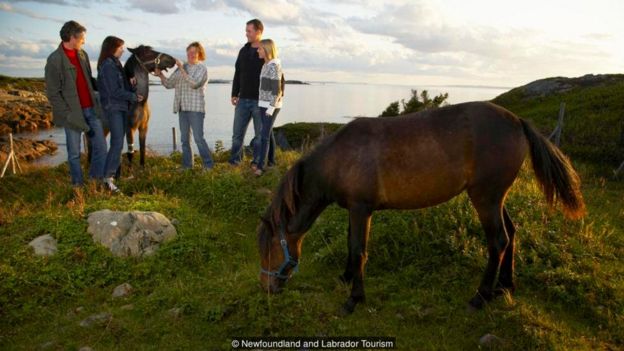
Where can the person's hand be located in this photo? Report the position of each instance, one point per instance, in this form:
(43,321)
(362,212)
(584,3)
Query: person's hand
(133,81)
(157,72)
(234,100)
(179,63)
(140,98)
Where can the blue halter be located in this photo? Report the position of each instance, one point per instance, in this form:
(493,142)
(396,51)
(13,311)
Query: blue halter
(289,261)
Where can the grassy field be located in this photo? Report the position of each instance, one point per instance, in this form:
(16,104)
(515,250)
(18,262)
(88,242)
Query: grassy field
(423,267)
(30,84)
(594,118)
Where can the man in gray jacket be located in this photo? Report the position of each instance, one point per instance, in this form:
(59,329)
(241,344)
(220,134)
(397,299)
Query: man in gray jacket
(71,91)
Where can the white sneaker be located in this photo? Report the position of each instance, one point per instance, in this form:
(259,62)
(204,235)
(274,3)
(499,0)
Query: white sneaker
(110,185)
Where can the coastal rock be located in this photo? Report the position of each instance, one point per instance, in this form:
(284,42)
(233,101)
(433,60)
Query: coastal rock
(96,319)
(135,233)
(25,109)
(44,245)
(122,290)
(490,340)
(27,149)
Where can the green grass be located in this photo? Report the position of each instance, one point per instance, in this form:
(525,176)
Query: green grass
(30,84)
(423,267)
(593,123)
(302,135)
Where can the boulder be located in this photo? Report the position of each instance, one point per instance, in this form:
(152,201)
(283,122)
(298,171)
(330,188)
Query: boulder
(122,290)
(44,245)
(100,319)
(135,233)
(490,340)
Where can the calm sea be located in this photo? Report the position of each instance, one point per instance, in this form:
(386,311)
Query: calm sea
(317,102)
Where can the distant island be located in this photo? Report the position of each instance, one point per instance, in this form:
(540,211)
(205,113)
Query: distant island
(229,81)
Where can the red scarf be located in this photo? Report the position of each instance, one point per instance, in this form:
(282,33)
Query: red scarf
(81,83)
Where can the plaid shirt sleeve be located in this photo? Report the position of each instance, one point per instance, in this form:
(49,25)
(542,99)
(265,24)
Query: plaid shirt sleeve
(190,90)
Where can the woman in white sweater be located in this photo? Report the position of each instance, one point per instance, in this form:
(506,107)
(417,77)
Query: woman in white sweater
(270,96)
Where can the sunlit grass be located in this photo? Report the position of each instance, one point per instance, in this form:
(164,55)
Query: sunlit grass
(423,267)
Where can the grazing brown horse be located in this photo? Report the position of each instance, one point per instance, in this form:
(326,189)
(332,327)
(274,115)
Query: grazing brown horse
(409,162)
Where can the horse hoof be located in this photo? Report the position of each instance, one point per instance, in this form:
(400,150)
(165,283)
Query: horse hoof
(476,303)
(470,309)
(349,306)
(347,309)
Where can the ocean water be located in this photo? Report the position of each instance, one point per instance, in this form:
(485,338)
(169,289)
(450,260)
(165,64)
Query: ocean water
(317,102)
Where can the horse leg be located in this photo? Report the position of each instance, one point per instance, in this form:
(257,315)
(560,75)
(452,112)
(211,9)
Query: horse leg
(130,142)
(359,225)
(506,274)
(347,276)
(491,217)
(142,136)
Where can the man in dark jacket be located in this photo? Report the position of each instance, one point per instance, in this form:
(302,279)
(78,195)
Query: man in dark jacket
(245,86)
(75,106)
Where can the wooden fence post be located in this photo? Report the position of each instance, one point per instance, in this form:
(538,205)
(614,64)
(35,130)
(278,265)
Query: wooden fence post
(11,158)
(175,146)
(559,128)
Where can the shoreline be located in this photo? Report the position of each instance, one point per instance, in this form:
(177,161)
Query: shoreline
(24,108)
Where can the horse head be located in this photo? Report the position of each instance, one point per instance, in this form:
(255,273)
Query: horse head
(150,59)
(280,236)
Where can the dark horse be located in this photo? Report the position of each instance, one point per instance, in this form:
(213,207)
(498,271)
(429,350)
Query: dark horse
(143,61)
(409,162)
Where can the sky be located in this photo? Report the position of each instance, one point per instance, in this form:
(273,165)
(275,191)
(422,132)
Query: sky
(421,42)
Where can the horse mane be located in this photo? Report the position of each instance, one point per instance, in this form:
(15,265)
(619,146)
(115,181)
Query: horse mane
(283,206)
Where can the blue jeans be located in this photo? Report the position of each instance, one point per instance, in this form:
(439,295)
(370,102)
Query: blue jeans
(195,121)
(118,126)
(245,111)
(98,149)
(265,135)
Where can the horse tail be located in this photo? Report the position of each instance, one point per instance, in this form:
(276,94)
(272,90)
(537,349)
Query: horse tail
(555,174)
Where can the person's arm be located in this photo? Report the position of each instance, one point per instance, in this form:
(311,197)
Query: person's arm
(115,87)
(171,81)
(276,87)
(197,79)
(54,88)
(236,80)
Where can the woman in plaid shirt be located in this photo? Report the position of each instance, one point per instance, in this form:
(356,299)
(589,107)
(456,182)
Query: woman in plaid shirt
(189,81)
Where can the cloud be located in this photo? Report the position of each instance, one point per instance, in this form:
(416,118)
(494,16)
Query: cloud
(33,49)
(164,7)
(6,7)
(277,12)
(56,2)
(119,18)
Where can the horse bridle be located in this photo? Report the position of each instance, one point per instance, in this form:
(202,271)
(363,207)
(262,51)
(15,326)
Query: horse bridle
(156,61)
(289,261)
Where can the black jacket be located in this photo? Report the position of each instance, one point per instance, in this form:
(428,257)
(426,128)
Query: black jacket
(246,82)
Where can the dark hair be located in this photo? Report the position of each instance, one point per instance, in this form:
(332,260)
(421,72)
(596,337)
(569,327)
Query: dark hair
(109,46)
(257,24)
(201,53)
(71,29)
